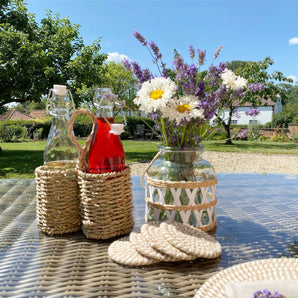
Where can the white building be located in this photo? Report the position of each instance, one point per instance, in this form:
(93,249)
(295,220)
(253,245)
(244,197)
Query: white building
(265,115)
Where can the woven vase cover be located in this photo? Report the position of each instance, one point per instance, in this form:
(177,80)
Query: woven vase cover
(106,204)
(155,198)
(57,200)
(266,269)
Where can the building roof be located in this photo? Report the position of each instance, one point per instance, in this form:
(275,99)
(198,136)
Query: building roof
(12,114)
(36,114)
(265,102)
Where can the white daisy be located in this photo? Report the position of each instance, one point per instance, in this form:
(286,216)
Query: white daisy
(155,94)
(186,108)
(232,81)
(228,78)
(240,83)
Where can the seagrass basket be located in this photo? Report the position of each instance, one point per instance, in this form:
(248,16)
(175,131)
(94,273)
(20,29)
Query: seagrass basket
(57,200)
(106,203)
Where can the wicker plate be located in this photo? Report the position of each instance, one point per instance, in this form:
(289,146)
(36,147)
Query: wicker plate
(267,269)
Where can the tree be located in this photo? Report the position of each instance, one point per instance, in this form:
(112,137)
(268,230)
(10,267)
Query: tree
(34,56)
(28,106)
(255,73)
(122,82)
(289,113)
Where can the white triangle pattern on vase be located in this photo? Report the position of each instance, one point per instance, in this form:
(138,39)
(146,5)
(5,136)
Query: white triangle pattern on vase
(203,217)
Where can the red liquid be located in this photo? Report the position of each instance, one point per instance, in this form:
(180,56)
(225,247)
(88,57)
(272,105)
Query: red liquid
(106,152)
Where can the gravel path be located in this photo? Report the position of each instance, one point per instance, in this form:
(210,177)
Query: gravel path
(227,162)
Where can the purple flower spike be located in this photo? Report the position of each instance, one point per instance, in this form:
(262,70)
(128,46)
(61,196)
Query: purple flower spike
(256,87)
(217,52)
(126,64)
(178,61)
(267,294)
(155,50)
(201,55)
(252,112)
(200,89)
(192,52)
(140,38)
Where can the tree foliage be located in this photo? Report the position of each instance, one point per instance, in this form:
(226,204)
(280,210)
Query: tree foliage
(35,56)
(289,113)
(122,82)
(254,72)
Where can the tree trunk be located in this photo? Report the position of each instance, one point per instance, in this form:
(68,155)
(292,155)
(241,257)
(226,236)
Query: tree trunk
(227,127)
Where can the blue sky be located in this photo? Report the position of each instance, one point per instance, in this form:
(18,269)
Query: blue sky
(247,30)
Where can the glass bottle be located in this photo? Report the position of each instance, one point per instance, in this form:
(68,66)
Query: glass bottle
(106,152)
(60,152)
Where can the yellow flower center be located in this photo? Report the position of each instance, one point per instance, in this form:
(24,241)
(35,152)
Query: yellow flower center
(183,108)
(156,94)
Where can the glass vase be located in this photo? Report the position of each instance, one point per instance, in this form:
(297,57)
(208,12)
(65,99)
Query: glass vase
(181,186)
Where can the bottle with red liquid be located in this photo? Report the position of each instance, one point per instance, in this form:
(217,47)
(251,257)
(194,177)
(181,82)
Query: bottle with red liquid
(106,152)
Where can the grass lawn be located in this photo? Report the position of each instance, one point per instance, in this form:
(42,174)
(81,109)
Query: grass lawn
(19,160)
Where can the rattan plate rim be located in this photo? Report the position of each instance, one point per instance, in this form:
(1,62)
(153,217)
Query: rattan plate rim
(265,269)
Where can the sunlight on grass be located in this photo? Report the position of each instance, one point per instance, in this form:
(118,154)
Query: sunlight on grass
(19,160)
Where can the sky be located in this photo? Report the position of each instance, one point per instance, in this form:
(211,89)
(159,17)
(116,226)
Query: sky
(247,30)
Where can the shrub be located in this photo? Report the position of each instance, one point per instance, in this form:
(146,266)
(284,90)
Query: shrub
(13,133)
(13,130)
(239,134)
(262,138)
(218,135)
(279,138)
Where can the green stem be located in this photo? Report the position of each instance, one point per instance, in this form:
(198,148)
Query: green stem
(164,131)
(183,134)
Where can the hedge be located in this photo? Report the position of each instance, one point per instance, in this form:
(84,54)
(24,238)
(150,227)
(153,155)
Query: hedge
(32,130)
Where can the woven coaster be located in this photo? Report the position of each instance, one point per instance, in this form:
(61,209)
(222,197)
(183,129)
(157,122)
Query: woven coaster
(154,238)
(122,251)
(139,242)
(190,240)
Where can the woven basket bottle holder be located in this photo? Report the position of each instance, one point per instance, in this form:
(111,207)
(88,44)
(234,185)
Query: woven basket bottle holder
(207,191)
(57,200)
(106,203)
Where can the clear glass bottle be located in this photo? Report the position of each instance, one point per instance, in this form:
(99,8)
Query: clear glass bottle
(60,152)
(106,152)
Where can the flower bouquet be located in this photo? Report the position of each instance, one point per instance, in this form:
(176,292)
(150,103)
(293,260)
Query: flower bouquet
(181,101)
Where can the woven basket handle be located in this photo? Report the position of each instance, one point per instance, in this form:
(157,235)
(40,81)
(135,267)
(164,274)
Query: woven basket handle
(82,151)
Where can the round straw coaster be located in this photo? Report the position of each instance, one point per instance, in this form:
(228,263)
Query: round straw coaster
(190,240)
(154,238)
(122,251)
(256,271)
(141,246)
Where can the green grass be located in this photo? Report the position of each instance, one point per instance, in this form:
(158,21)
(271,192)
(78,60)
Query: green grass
(19,160)
(252,147)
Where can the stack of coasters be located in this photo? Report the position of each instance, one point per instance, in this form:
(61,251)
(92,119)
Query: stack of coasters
(163,242)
